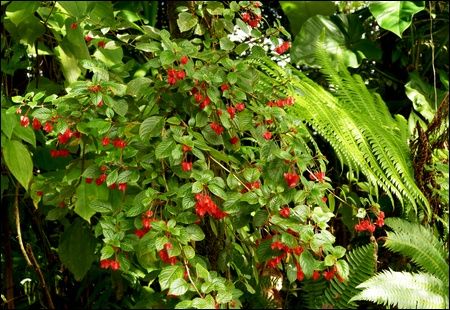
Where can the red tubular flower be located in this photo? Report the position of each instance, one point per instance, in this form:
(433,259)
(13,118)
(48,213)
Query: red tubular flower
(291,179)
(329,274)
(224,87)
(122,187)
(365,225)
(300,274)
(88,180)
(231,111)
(48,127)
(245,17)
(186,166)
(267,135)
(240,107)
(316,275)
(317,176)
(101,44)
(105,263)
(285,212)
(101,179)
(297,250)
(105,141)
(115,265)
(64,153)
(205,205)
(234,140)
(147,223)
(181,74)
(140,233)
(184,60)
(148,213)
(100,104)
(205,103)
(112,186)
(87,38)
(24,121)
(119,143)
(218,129)
(186,148)
(65,137)
(36,124)
(74,26)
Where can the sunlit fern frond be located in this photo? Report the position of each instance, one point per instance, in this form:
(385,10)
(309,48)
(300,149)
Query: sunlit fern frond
(418,243)
(356,123)
(405,290)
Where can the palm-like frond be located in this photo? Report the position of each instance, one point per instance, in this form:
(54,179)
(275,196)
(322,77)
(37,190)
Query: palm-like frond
(405,290)
(418,243)
(355,122)
(361,263)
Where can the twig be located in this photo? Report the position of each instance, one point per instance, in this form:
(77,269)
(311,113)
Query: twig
(41,277)
(19,232)
(190,279)
(432,58)
(227,170)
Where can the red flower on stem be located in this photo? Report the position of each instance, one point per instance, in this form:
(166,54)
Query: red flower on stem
(291,179)
(36,124)
(186,166)
(267,135)
(285,212)
(234,140)
(218,129)
(24,121)
(184,60)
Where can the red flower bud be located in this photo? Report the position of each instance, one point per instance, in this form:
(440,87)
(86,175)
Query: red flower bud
(291,179)
(24,121)
(285,212)
(184,60)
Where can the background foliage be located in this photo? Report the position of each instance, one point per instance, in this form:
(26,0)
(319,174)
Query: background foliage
(197,154)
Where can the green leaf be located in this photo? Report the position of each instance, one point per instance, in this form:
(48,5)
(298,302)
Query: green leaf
(151,127)
(185,304)
(395,16)
(204,303)
(112,177)
(164,149)
(178,287)
(214,7)
(291,271)
(77,248)
(186,21)
(26,134)
(226,44)
(119,106)
(195,232)
(260,217)
(18,160)
(251,174)
(107,252)
(86,193)
(202,272)
(343,269)
(138,87)
(101,206)
(308,263)
(9,122)
(20,11)
(216,190)
(74,8)
(169,274)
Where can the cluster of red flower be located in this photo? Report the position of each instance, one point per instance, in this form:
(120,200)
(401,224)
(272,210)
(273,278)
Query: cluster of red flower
(174,75)
(273,262)
(317,176)
(285,212)
(368,225)
(281,49)
(218,129)
(118,143)
(65,137)
(281,102)
(109,263)
(164,255)
(146,220)
(203,99)
(205,205)
(251,18)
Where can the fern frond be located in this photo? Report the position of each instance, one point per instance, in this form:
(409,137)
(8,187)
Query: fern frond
(418,243)
(356,123)
(319,294)
(404,290)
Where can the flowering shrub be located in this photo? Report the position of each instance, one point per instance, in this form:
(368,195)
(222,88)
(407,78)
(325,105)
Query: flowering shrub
(170,156)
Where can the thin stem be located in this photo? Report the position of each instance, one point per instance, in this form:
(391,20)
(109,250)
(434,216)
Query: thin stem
(227,170)
(432,57)
(190,279)
(19,232)
(41,277)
